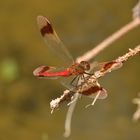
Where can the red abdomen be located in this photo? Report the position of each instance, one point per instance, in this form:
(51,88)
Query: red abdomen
(45,71)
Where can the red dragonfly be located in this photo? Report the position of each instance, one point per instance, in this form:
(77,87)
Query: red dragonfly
(53,42)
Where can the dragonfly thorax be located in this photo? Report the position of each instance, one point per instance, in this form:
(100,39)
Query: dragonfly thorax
(79,68)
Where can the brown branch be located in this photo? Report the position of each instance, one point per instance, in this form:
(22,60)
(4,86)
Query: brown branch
(115,64)
(91,80)
(69,94)
(108,67)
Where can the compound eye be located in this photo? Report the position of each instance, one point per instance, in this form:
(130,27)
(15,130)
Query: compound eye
(85,65)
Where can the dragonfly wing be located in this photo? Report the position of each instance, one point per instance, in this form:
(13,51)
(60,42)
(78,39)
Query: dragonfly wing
(66,81)
(103,94)
(105,66)
(40,72)
(52,40)
(49,72)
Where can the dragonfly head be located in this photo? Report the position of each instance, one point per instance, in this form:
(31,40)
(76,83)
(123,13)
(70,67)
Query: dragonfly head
(85,65)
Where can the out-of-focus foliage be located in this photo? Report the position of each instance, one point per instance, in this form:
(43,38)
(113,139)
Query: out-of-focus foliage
(8,70)
(24,99)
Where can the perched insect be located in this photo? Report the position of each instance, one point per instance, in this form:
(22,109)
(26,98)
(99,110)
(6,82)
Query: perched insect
(74,69)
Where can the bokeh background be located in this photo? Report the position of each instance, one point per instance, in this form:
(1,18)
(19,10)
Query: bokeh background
(24,99)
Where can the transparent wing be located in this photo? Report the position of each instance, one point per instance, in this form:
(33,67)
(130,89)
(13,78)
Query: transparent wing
(65,81)
(45,71)
(52,40)
(103,66)
(102,94)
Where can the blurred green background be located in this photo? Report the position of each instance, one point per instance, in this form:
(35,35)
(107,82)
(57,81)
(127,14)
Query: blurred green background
(24,99)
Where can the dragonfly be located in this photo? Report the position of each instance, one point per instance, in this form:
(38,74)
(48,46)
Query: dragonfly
(74,69)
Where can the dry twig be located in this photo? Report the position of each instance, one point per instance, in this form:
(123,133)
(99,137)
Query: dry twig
(115,64)
(107,68)
(136,115)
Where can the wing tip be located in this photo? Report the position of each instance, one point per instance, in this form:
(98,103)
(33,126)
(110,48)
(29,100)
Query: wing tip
(42,21)
(42,18)
(44,25)
(40,69)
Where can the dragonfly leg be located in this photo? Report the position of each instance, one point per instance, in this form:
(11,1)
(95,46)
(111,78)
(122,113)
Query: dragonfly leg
(93,102)
(89,74)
